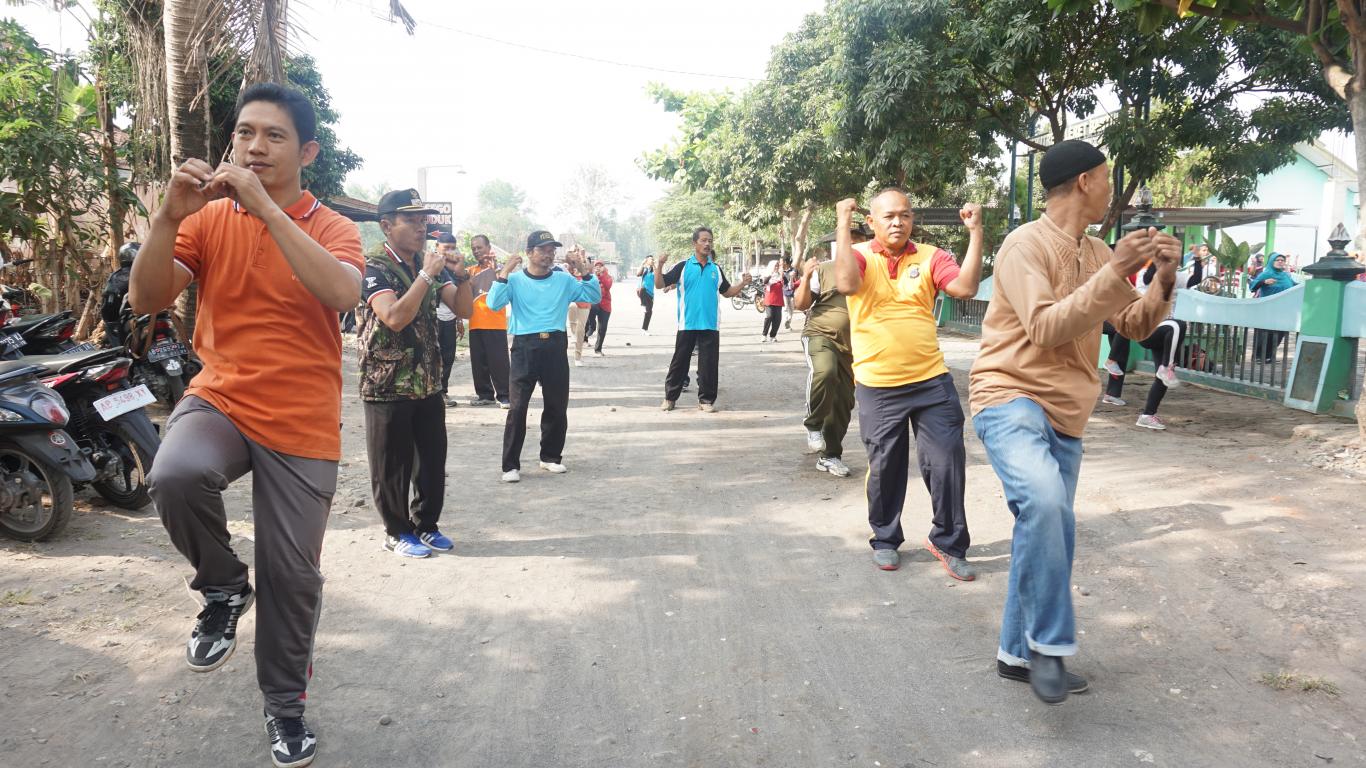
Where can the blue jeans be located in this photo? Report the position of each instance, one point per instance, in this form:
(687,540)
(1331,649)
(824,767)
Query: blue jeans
(1038,469)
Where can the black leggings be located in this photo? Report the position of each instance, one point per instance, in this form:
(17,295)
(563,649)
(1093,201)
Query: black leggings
(597,321)
(1165,344)
(647,300)
(772,320)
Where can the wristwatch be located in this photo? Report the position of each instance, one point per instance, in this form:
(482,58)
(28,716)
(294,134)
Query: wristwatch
(422,273)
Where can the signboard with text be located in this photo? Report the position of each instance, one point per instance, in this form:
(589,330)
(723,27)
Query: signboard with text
(441,221)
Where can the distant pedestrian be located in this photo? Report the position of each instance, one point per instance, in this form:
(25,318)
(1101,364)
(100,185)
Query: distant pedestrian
(1033,387)
(579,310)
(646,292)
(700,284)
(829,363)
(773,304)
(903,388)
(400,363)
(790,278)
(488,331)
(601,312)
(449,328)
(1269,282)
(539,296)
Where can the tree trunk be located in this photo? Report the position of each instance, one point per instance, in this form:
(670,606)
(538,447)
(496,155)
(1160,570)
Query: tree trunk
(1123,196)
(90,317)
(187,105)
(802,231)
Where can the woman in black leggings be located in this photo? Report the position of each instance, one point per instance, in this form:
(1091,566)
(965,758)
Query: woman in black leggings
(646,273)
(773,302)
(1165,344)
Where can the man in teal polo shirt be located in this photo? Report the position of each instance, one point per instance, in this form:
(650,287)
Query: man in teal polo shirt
(539,296)
(700,282)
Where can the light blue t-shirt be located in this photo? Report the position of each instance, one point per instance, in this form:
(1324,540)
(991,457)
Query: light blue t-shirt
(699,290)
(539,304)
(647,281)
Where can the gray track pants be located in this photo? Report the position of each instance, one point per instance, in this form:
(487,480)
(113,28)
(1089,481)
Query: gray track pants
(291,496)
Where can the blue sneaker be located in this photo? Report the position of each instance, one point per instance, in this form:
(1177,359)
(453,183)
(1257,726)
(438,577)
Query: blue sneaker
(436,540)
(406,545)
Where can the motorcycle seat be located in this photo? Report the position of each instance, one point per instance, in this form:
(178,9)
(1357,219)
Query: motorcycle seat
(13,369)
(58,364)
(25,324)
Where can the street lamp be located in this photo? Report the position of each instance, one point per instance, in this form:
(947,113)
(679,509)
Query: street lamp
(422,176)
(1143,202)
(1336,264)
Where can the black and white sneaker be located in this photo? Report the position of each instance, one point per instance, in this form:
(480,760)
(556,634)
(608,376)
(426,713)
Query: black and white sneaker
(214,636)
(292,743)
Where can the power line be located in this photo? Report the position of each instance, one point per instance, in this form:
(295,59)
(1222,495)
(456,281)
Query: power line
(566,54)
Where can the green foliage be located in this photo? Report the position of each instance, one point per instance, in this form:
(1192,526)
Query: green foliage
(502,214)
(49,152)
(677,214)
(326,177)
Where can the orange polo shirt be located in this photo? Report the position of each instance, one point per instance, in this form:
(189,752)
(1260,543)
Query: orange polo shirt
(891,319)
(483,318)
(271,350)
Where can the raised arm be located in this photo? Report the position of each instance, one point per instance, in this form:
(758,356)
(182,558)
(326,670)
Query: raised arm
(848,276)
(803,298)
(970,273)
(155,280)
(397,312)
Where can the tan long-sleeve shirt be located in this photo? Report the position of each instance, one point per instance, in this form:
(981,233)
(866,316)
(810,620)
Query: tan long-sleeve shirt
(1041,332)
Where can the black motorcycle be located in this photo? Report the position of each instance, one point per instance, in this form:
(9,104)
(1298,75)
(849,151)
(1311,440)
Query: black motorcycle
(108,420)
(161,362)
(39,461)
(39,335)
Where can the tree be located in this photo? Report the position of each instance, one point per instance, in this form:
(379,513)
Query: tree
(502,213)
(591,198)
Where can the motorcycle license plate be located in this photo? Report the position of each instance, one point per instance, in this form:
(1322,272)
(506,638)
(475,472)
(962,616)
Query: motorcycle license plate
(12,341)
(123,401)
(166,349)
(81,349)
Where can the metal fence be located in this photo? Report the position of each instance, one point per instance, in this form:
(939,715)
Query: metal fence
(963,315)
(1248,361)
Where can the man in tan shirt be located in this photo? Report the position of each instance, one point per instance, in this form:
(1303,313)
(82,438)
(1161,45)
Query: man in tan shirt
(1035,382)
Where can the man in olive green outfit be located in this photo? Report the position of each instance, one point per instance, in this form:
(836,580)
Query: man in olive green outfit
(830,363)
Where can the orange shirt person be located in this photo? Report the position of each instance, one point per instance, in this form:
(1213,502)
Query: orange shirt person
(274,267)
(489,361)
(902,386)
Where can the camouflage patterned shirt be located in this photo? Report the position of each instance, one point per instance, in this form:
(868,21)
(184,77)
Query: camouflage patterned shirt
(402,365)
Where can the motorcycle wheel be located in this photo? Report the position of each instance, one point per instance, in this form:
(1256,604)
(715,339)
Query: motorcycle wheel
(759,304)
(175,389)
(128,489)
(35,496)
(737,302)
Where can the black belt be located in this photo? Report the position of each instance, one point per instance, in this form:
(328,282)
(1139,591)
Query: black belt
(542,335)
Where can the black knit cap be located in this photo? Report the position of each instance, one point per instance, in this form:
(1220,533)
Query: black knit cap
(1067,160)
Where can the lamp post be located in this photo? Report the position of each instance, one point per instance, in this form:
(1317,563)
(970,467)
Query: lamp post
(422,176)
(1145,218)
(1336,264)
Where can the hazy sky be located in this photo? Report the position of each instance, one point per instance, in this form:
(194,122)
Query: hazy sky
(441,97)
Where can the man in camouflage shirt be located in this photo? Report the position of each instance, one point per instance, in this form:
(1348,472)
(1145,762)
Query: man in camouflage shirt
(400,366)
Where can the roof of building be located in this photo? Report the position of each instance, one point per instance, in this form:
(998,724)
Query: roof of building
(353,209)
(1215,217)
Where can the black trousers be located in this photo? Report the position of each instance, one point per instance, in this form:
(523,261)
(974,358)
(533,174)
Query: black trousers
(647,300)
(1165,343)
(772,320)
(489,364)
(708,346)
(887,418)
(1119,352)
(597,321)
(446,335)
(544,361)
(406,440)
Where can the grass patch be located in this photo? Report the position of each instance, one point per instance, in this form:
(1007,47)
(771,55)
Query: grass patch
(12,598)
(1287,681)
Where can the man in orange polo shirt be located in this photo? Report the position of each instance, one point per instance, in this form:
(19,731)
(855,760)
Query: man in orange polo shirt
(488,330)
(901,383)
(274,268)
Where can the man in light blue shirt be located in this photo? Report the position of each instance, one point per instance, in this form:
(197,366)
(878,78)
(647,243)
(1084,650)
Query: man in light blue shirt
(539,296)
(700,283)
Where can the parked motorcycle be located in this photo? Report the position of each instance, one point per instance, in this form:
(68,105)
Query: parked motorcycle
(107,420)
(39,335)
(39,461)
(160,361)
(751,294)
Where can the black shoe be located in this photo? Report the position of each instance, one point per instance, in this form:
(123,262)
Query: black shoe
(292,743)
(1048,678)
(214,636)
(1075,683)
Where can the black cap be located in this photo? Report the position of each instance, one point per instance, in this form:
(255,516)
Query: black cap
(1067,160)
(403,201)
(446,238)
(541,237)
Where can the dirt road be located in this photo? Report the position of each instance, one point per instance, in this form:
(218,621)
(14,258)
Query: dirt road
(693,593)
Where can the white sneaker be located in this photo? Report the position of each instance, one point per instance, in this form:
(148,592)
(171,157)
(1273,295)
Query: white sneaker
(512,476)
(644,333)
(1113,368)
(1168,377)
(815,441)
(1112,400)
(578,363)
(833,466)
(1149,422)
(553,468)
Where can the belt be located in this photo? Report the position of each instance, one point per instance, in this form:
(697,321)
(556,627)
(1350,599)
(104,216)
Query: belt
(541,335)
